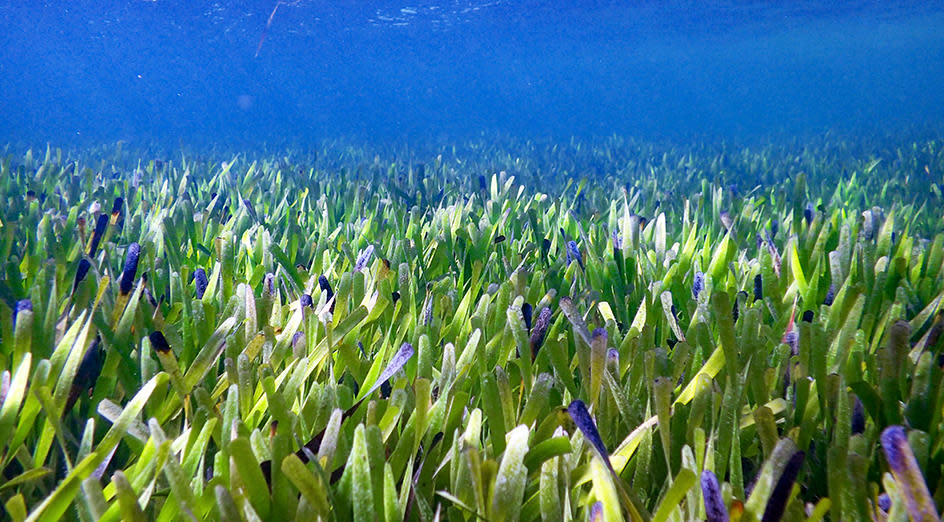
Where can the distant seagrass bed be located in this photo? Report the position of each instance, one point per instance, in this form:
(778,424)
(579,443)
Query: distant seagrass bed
(495,329)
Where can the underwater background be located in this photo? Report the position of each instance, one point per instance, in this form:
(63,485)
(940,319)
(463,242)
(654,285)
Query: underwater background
(471,260)
(246,73)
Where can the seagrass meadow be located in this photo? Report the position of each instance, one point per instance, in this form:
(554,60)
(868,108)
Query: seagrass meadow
(499,330)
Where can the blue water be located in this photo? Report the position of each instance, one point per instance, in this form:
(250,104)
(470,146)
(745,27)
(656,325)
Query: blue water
(174,72)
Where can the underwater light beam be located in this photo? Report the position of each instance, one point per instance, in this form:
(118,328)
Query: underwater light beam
(265,31)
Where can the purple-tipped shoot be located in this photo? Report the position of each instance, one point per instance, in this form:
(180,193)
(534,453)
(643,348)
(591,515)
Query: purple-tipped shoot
(698,284)
(116,206)
(201,282)
(326,288)
(573,254)
(581,417)
(884,502)
(131,268)
(159,342)
(526,313)
(612,357)
(539,331)
(830,295)
(397,362)
(364,258)
(297,338)
(100,223)
(306,301)
(427,316)
(81,272)
(907,474)
(22,305)
(715,510)
(736,309)
(87,374)
(858,417)
(780,495)
(599,333)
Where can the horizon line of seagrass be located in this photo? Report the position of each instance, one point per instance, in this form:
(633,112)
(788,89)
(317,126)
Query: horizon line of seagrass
(609,330)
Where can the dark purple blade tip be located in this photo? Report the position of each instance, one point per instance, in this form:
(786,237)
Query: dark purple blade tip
(81,272)
(578,412)
(87,374)
(201,282)
(158,341)
(884,502)
(21,306)
(894,440)
(600,333)
(91,365)
(526,312)
(540,330)
(781,492)
(698,284)
(715,510)
(427,316)
(858,417)
(736,309)
(150,298)
(908,475)
(325,287)
(398,361)
(573,254)
(364,258)
(131,268)
(100,223)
